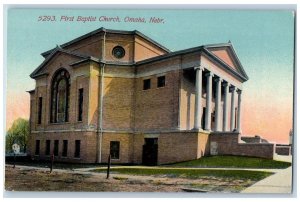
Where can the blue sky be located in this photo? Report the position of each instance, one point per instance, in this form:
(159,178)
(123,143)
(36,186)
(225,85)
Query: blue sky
(263,40)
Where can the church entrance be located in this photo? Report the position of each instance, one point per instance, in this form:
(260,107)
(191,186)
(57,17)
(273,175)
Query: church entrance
(150,151)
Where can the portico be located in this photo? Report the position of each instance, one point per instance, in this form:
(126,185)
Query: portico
(223,88)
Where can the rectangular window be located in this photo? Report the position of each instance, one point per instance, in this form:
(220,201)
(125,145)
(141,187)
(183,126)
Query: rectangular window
(40,110)
(115,149)
(65,148)
(37,147)
(147,84)
(77,149)
(47,151)
(161,81)
(55,149)
(80,104)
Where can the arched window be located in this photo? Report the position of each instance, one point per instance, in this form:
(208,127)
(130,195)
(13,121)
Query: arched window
(60,96)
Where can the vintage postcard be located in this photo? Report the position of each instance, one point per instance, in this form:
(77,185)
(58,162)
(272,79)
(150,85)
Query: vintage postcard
(157,100)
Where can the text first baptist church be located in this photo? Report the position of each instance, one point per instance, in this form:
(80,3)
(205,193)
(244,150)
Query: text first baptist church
(121,93)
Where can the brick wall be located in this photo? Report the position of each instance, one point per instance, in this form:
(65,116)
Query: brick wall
(138,143)
(126,148)
(157,108)
(229,144)
(87,146)
(176,147)
(117,103)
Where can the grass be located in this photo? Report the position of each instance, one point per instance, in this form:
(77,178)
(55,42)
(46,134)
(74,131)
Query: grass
(191,173)
(233,162)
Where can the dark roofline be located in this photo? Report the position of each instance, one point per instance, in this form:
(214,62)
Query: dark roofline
(102,29)
(203,48)
(30,91)
(194,49)
(93,59)
(229,44)
(218,60)
(169,55)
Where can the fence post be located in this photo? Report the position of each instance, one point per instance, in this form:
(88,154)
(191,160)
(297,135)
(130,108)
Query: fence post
(14,160)
(51,164)
(108,167)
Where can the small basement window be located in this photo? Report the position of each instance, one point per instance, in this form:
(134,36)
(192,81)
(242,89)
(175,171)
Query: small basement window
(48,143)
(147,84)
(77,149)
(161,81)
(115,149)
(65,148)
(55,149)
(37,147)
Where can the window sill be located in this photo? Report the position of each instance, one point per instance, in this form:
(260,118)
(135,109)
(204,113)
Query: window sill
(160,87)
(77,158)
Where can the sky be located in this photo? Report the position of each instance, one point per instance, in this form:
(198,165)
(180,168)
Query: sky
(263,40)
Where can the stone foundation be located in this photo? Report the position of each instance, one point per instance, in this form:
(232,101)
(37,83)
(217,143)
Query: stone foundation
(176,146)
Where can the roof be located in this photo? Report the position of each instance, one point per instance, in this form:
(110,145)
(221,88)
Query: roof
(242,74)
(102,29)
(35,74)
(236,58)
(30,91)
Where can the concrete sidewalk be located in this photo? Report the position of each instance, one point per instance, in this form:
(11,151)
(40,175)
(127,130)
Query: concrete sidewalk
(280,182)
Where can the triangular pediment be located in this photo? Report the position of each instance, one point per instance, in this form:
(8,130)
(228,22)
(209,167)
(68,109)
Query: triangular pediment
(56,55)
(225,53)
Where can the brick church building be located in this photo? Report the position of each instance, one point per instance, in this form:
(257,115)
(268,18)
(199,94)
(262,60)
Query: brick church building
(121,93)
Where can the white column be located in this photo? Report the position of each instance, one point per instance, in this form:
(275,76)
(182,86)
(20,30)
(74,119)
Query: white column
(208,101)
(232,114)
(218,105)
(198,98)
(239,111)
(225,104)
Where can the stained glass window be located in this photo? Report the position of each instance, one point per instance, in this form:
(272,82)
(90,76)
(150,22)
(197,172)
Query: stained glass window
(60,95)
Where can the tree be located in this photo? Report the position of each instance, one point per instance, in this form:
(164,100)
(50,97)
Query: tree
(18,133)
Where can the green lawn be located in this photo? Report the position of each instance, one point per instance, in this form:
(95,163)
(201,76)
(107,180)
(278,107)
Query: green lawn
(232,162)
(190,173)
